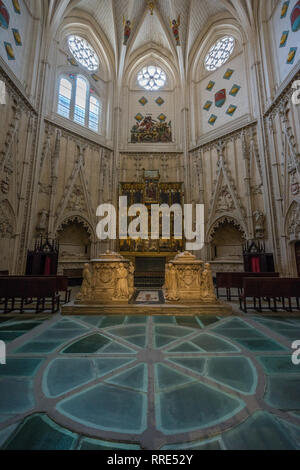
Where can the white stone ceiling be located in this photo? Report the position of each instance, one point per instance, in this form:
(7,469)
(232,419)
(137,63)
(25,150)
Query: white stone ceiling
(194,14)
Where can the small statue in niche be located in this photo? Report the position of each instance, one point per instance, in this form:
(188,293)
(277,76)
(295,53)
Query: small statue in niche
(43,220)
(175,24)
(208,291)
(259,224)
(127,30)
(86,288)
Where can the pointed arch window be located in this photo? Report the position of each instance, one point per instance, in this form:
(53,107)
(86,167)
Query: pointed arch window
(64,98)
(77,101)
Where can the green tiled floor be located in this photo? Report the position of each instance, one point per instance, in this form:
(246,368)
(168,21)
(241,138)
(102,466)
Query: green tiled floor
(132,382)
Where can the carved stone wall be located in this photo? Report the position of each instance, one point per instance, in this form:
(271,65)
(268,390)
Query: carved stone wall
(282,123)
(227,178)
(17,146)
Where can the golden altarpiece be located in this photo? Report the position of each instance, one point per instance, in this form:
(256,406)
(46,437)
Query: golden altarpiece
(150,256)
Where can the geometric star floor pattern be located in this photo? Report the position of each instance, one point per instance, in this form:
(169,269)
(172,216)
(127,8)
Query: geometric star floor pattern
(156,383)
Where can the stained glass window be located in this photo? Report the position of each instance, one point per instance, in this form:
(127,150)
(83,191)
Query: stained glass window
(219,53)
(152,78)
(94,114)
(79,104)
(64,98)
(83,52)
(80,101)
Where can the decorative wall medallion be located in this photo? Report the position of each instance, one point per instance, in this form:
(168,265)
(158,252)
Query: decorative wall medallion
(207,105)
(228,74)
(159,101)
(9,51)
(292,55)
(16,6)
(231,110)
(220,98)
(210,86)
(162,117)
(143,101)
(284,38)
(139,117)
(4,16)
(17,37)
(212,119)
(295,17)
(284,9)
(234,90)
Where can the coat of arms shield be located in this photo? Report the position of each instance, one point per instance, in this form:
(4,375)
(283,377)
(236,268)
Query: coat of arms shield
(220,98)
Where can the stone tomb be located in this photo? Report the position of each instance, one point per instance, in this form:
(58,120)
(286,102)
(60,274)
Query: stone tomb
(108,287)
(109,279)
(189,280)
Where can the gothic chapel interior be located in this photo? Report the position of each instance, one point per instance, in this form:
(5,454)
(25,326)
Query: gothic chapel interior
(138,342)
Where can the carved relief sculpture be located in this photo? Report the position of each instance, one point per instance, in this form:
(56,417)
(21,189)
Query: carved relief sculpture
(172,284)
(122,290)
(131,279)
(225,201)
(207,285)
(295,185)
(86,288)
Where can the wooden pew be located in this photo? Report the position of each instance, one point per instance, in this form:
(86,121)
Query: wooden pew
(14,288)
(231,280)
(273,291)
(61,281)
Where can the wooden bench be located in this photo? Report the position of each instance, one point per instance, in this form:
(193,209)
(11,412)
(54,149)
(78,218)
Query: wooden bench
(231,280)
(272,291)
(22,291)
(62,283)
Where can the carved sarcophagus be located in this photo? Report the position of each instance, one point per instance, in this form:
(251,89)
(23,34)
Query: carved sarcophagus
(109,279)
(189,280)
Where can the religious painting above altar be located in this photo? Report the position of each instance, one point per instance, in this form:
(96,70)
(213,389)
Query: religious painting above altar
(148,130)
